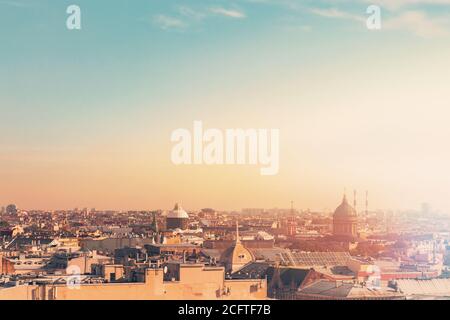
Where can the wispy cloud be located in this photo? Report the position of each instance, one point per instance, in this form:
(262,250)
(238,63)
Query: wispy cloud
(416,20)
(168,23)
(184,17)
(190,13)
(230,13)
(336,13)
(397,4)
(419,23)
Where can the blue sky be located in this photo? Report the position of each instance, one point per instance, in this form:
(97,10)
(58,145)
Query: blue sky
(71,101)
(164,44)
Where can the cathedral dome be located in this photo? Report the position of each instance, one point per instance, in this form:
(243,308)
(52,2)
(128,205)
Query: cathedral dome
(178,213)
(344,210)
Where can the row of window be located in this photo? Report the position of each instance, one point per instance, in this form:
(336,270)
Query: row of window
(29,263)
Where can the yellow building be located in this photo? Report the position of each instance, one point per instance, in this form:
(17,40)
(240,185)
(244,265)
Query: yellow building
(173,281)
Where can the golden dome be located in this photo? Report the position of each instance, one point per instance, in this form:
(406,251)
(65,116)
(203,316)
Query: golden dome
(177,212)
(344,210)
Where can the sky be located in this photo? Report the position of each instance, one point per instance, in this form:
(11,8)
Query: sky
(87,115)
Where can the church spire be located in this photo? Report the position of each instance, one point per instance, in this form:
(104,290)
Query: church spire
(344,199)
(238,240)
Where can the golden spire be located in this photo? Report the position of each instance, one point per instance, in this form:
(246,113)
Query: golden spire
(237,232)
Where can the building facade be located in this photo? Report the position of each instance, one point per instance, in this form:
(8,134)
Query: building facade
(170,282)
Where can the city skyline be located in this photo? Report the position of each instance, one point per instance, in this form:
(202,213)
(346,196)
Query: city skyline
(360,208)
(87,114)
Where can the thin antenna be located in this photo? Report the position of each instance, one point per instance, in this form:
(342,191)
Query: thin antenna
(354,200)
(367,203)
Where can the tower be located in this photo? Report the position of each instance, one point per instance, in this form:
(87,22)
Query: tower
(292,223)
(154,225)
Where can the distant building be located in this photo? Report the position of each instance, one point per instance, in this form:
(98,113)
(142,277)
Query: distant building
(81,261)
(111,244)
(345,220)
(422,287)
(253,211)
(11,209)
(339,290)
(291,226)
(315,259)
(177,218)
(172,249)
